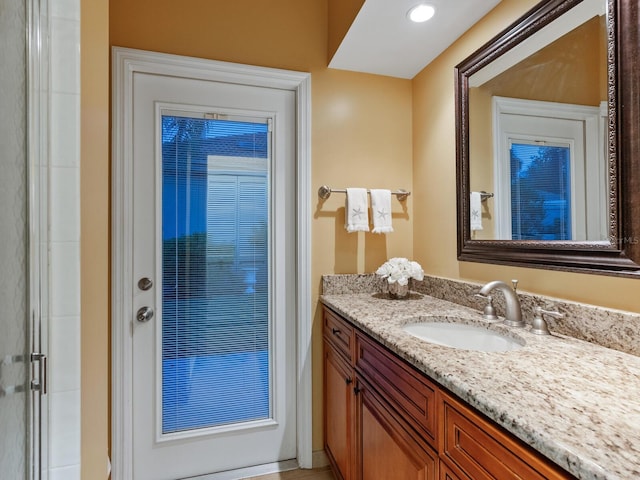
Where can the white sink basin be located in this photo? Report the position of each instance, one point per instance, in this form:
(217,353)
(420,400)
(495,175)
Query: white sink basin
(463,336)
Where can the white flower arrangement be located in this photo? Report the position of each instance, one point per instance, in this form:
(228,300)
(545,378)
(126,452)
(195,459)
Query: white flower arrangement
(400,270)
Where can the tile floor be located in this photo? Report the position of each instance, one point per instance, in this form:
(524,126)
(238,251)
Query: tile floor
(323,473)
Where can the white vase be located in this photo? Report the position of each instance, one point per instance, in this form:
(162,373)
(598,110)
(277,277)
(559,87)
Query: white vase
(398,291)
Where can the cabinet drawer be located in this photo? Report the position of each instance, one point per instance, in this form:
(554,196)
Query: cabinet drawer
(338,332)
(406,389)
(484,451)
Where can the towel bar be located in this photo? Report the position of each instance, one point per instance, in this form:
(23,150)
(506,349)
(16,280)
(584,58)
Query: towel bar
(325,192)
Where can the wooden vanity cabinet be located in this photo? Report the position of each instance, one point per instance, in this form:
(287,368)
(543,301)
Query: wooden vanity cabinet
(404,388)
(339,396)
(386,420)
(365,437)
(447,474)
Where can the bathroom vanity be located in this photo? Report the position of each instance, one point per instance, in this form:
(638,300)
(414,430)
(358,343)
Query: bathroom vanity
(397,406)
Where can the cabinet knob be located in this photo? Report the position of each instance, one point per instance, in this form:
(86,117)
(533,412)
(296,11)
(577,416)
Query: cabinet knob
(348,381)
(335,331)
(357,390)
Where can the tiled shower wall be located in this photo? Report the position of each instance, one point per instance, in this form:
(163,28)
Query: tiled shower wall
(64,241)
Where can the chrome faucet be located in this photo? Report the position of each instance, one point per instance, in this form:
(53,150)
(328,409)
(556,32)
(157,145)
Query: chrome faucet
(513,315)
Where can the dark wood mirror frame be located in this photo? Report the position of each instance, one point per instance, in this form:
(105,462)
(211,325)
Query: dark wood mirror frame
(621,255)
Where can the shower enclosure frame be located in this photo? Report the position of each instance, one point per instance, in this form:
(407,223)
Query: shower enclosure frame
(37,154)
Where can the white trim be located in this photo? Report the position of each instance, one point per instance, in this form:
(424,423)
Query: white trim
(303,275)
(126,63)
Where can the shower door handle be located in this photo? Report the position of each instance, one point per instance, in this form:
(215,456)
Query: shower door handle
(40,384)
(144,314)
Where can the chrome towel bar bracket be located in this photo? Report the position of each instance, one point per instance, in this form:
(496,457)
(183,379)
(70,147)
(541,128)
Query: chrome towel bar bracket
(484,195)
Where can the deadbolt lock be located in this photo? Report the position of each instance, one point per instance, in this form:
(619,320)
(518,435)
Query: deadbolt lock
(145,283)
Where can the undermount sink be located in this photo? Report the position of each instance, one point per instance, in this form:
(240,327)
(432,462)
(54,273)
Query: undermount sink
(463,336)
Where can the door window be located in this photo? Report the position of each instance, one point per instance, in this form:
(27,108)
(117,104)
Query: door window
(215,295)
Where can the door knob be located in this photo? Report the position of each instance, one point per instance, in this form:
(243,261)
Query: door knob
(144,314)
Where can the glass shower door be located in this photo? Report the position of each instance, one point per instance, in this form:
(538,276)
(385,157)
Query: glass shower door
(21,375)
(14,349)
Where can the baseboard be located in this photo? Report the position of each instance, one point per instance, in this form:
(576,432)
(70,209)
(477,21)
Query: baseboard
(250,471)
(319,459)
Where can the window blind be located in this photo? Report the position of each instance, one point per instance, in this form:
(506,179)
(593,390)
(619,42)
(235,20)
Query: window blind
(540,192)
(215,295)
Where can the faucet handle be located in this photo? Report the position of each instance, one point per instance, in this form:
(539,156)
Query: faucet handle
(514,282)
(551,313)
(489,312)
(539,325)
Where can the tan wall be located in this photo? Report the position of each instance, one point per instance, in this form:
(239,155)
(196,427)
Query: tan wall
(361,124)
(342,13)
(571,69)
(94,198)
(481,150)
(435,184)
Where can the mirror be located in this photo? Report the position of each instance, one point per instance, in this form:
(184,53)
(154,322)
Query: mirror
(547,141)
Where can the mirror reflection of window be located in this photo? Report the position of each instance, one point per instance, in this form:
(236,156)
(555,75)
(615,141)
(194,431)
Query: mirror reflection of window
(540,192)
(549,171)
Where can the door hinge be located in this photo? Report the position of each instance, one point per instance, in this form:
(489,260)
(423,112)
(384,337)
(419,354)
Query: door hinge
(40,384)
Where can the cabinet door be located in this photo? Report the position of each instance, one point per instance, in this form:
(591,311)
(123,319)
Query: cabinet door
(339,408)
(388,448)
(483,451)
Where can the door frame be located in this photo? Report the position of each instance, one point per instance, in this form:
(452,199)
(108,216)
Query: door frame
(125,64)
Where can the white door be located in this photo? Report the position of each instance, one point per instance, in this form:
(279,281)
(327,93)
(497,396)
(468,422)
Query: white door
(214,352)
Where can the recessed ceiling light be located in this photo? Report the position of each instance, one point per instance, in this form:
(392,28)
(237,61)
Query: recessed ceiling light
(421,13)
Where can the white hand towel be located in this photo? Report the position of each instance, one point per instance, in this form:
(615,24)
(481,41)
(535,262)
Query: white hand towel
(381,211)
(475,217)
(357,210)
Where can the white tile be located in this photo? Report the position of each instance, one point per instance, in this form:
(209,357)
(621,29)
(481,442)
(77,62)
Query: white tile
(65,205)
(64,429)
(65,473)
(65,55)
(65,279)
(65,129)
(64,354)
(65,9)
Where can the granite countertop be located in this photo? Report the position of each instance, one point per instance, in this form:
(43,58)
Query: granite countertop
(575,402)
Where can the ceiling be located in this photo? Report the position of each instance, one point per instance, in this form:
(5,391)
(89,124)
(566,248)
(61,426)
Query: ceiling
(383,41)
